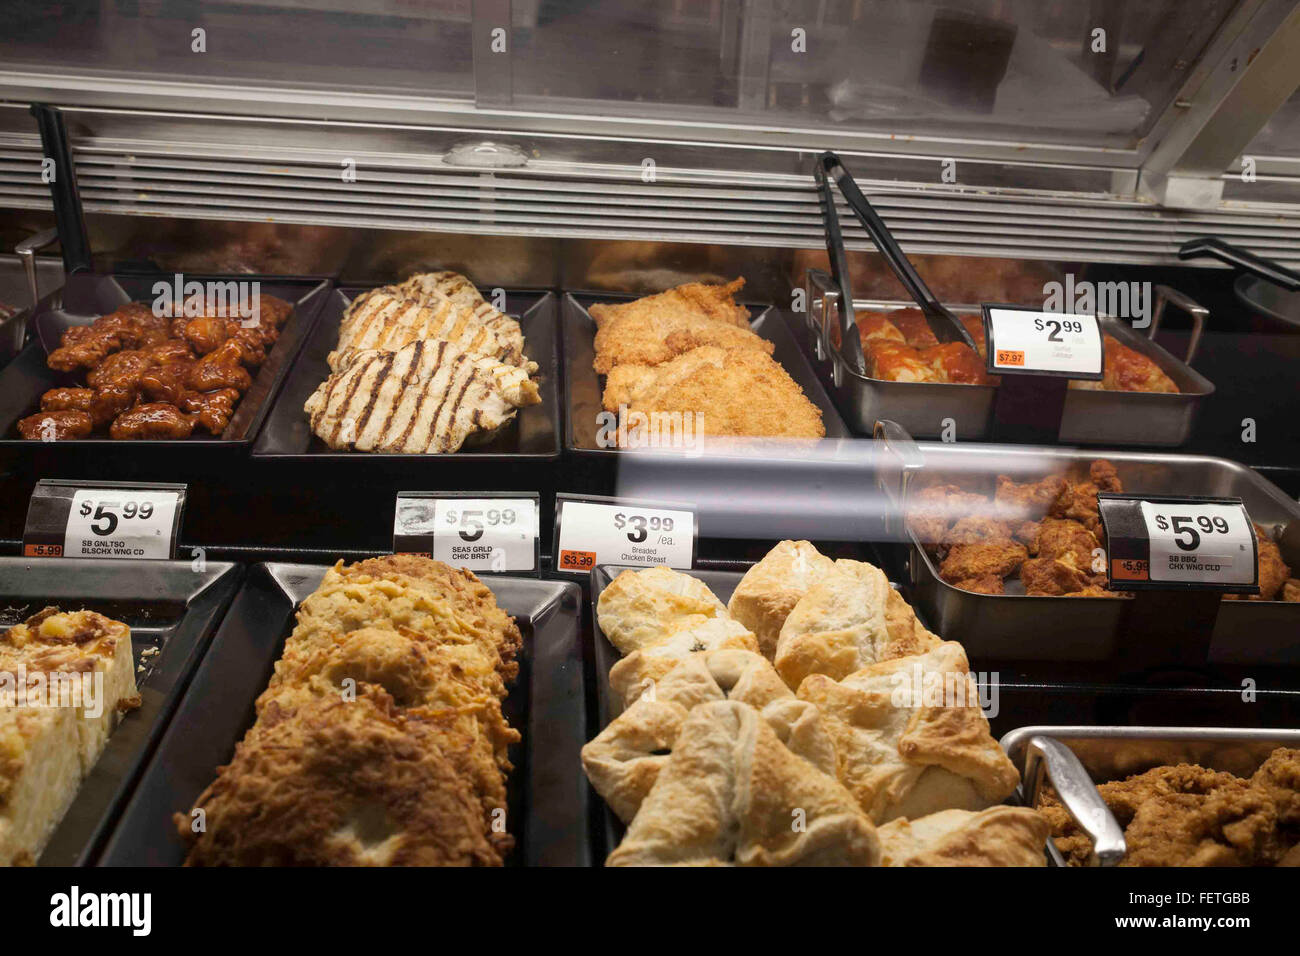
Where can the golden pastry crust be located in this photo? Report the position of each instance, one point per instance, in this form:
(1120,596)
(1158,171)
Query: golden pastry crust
(770,589)
(998,836)
(732,793)
(844,623)
(910,736)
(640,670)
(625,759)
(640,608)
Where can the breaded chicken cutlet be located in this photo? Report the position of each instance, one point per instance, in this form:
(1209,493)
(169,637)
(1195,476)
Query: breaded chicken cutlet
(730,392)
(1186,815)
(655,337)
(697,299)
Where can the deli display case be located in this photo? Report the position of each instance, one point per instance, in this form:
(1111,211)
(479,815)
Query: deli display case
(579,433)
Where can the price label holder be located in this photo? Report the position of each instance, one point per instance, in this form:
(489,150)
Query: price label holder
(592,530)
(104,519)
(1036,354)
(1178,556)
(492,532)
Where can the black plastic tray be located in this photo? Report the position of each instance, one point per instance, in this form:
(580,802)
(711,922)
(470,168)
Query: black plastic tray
(535,432)
(546,790)
(583,388)
(170,607)
(86,297)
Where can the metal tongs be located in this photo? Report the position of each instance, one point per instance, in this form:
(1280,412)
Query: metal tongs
(943,323)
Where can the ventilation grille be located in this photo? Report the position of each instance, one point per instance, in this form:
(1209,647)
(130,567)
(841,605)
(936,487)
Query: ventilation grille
(613,202)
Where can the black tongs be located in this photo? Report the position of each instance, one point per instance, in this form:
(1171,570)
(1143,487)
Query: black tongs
(943,324)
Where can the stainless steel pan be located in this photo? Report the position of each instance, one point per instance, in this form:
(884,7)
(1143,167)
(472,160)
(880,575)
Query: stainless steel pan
(1091,417)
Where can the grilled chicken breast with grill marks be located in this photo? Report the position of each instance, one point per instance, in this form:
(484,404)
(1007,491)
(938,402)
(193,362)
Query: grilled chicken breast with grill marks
(386,321)
(425,397)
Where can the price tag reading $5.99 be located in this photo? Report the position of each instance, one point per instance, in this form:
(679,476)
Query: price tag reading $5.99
(592,534)
(1200,543)
(1032,341)
(125,523)
(488,534)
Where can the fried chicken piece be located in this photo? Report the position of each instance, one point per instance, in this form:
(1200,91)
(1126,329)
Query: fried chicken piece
(213,409)
(120,370)
(109,401)
(729,392)
(700,299)
(931,511)
(977,529)
(1078,498)
(168,382)
(56,425)
(1291,590)
(1068,540)
(1273,571)
(220,368)
(653,337)
(1026,501)
(169,352)
(207,332)
(152,420)
(987,584)
(1182,815)
(1053,577)
(1279,777)
(1027,533)
(64,399)
(1128,371)
(967,561)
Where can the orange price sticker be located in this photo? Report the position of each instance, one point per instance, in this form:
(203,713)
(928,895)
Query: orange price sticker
(1011,357)
(577,560)
(1129,570)
(42,551)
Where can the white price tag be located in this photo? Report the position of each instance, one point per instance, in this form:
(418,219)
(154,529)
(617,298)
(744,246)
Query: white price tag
(592,533)
(482,534)
(1203,543)
(489,534)
(1032,341)
(126,523)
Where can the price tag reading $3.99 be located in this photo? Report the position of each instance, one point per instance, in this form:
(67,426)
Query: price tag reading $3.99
(487,534)
(125,523)
(1206,543)
(1031,341)
(593,533)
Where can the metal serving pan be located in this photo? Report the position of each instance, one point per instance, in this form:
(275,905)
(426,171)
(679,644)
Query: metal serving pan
(1114,753)
(172,609)
(86,297)
(534,434)
(547,795)
(1019,627)
(1090,417)
(583,390)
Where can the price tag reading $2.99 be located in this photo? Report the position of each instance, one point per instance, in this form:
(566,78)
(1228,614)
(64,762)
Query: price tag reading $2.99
(1205,543)
(593,533)
(1025,340)
(125,523)
(487,534)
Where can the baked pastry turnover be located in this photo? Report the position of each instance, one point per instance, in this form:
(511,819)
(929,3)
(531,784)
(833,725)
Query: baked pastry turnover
(770,589)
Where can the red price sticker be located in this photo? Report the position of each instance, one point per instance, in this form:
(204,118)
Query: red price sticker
(577,560)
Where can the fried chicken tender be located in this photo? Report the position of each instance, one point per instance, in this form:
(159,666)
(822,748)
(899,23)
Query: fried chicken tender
(1053,577)
(699,299)
(1066,539)
(968,561)
(931,511)
(740,392)
(1078,498)
(1026,501)
(56,425)
(1186,815)
(986,584)
(63,399)
(157,420)
(655,337)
